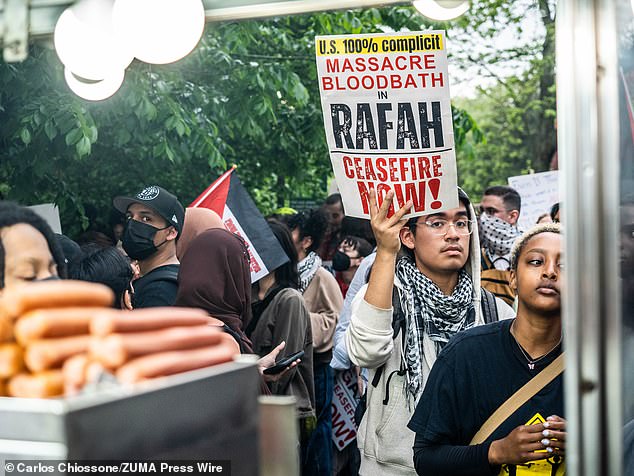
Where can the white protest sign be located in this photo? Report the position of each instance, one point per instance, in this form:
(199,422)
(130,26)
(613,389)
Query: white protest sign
(344,404)
(387,115)
(538,193)
(50,213)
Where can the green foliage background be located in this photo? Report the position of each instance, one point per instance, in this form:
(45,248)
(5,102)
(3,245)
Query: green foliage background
(248,95)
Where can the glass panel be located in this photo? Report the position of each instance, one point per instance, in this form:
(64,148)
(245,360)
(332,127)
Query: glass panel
(625,20)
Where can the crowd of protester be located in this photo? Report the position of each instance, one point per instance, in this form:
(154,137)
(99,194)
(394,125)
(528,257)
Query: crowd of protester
(441,318)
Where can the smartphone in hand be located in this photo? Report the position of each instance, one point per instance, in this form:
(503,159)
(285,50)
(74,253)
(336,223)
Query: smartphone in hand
(280,365)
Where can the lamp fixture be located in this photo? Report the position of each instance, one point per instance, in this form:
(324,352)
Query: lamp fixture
(86,43)
(94,90)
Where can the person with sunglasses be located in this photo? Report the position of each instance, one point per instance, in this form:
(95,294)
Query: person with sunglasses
(412,305)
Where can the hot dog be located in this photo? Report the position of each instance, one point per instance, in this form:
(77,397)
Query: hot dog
(51,353)
(59,322)
(74,372)
(40,385)
(11,360)
(116,349)
(110,322)
(62,293)
(6,329)
(169,363)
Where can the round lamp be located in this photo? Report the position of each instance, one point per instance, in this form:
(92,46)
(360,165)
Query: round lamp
(86,43)
(94,90)
(160,31)
(434,10)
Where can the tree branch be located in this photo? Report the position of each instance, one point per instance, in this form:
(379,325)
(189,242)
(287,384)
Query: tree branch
(544,9)
(497,77)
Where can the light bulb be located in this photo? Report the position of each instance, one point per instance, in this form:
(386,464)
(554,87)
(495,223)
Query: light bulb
(433,10)
(86,43)
(160,31)
(94,90)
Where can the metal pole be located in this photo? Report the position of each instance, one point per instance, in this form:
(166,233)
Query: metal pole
(279,437)
(587,114)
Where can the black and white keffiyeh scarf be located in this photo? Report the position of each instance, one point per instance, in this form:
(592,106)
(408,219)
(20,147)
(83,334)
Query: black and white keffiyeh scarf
(497,237)
(431,318)
(307,269)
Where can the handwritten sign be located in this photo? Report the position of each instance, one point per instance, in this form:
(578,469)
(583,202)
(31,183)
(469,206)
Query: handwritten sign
(538,192)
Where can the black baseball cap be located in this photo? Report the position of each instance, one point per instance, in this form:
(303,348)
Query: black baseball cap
(159,200)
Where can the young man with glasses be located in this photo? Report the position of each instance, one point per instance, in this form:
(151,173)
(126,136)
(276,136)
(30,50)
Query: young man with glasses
(413,304)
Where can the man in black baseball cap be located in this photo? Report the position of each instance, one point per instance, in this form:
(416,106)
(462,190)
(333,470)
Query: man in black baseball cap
(154,222)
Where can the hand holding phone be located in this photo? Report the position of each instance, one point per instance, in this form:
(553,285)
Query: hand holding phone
(280,365)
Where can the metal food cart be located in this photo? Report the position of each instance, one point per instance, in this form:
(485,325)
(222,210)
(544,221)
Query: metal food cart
(209,414)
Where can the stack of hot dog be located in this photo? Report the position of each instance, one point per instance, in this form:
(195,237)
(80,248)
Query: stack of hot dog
(67,336)
(156,342)
(50,322)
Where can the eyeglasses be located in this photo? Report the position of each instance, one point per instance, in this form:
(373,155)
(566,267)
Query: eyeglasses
(440,226)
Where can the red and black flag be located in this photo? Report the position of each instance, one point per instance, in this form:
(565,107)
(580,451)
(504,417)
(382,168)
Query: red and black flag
(229,199)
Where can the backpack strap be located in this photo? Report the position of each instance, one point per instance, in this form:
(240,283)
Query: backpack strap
(485,261)
(398,317)
(489,308)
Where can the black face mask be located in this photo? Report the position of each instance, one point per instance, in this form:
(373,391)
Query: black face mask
(340,261)
(138,240)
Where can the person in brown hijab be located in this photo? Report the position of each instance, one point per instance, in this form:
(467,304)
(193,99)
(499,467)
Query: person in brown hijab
(197,220)
(214,276)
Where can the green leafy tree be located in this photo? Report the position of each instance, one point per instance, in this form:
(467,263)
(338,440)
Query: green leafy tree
(516,114)
(247,95)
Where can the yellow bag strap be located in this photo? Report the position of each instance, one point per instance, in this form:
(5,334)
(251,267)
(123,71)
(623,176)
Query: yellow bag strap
(518,399)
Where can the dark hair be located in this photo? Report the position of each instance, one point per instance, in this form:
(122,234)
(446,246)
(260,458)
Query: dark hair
(554,210)
(359,227)
(360,245)
(116,218)
(103,265)
(13,214)
(94,237)
(311,223)
(334,199)
(510,197)
(70,248)
(286,275)
(521,242)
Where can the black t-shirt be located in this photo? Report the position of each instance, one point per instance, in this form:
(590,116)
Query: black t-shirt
(476,373)
(157,288)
